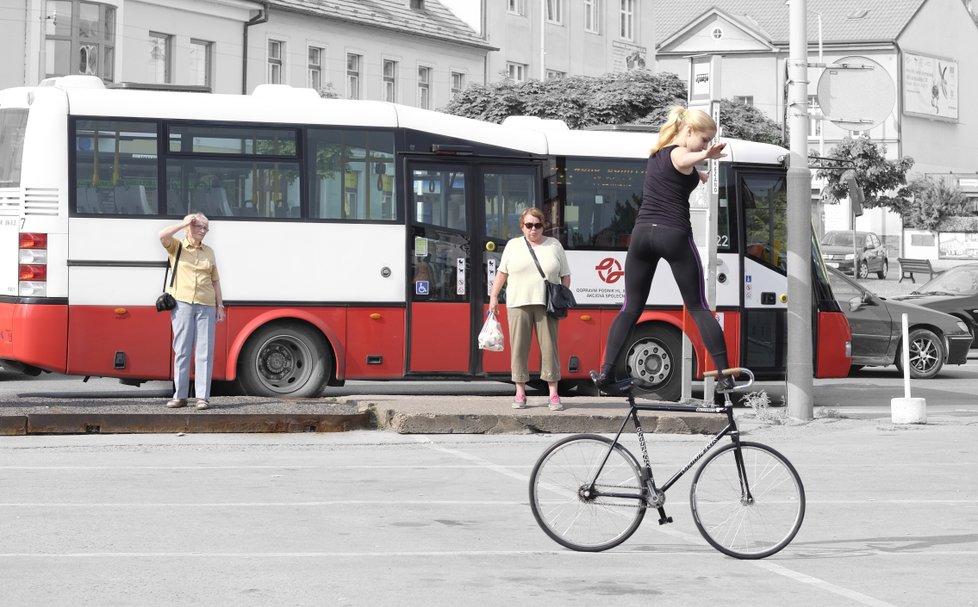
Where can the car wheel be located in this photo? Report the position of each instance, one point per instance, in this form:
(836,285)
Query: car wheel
(926,354)
(863,269)
(884,269)
(653,359)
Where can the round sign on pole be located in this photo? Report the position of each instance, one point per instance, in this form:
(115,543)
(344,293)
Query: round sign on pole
(856,93)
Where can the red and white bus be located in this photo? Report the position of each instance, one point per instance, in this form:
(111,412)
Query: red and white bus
(356,240)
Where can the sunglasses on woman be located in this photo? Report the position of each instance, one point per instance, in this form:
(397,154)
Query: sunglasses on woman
(533,226)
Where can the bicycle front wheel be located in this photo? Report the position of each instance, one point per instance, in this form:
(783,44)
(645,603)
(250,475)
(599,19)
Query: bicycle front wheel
(747,512)
(582,504)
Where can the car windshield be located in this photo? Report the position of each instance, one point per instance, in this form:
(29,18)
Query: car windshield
(962,280)
(838,239)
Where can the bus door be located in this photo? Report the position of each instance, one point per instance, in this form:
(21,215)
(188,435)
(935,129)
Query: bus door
(764,329)
(461,213)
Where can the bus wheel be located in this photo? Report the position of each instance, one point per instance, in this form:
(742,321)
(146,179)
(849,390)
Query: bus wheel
(653,359)
(285,359)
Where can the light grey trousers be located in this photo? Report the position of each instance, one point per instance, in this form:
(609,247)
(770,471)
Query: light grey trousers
(522,322)
(193,323)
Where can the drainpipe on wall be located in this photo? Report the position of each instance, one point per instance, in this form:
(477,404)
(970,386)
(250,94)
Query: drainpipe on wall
(261,17)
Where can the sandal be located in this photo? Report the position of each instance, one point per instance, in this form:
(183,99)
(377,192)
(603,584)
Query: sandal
(176,403)
(519,404)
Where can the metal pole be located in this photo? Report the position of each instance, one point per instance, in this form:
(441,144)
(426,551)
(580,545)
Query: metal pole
(799,367)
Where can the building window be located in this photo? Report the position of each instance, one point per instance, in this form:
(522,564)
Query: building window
(199,62)
(390,80)
(747,100)
(555,11)
(555,75)
(424,87)
(591,14)
(516,71)
(353,62)
(814,117)
(79,38)
(517,7)
(276,50)
(314,69)
(458,83)
(160,52)
(626,20)
(717,33)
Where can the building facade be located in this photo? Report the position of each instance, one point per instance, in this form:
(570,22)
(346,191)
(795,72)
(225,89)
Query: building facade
(541,39)
(414,52)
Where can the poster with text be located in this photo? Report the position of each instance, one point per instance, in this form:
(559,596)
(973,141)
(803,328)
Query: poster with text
(930,86)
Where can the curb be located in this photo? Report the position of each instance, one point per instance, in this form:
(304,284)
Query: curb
(441,423)
(158,423)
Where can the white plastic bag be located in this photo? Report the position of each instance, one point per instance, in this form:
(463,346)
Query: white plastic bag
(491,335)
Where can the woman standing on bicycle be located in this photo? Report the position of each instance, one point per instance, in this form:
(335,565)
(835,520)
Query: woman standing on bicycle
(663,231)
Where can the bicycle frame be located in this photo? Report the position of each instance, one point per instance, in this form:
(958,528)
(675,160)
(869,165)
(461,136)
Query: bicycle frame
(656,495)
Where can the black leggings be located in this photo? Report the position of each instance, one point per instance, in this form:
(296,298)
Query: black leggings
(649,244)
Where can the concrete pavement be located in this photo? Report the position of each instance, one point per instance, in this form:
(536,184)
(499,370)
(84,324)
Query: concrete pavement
(405,414)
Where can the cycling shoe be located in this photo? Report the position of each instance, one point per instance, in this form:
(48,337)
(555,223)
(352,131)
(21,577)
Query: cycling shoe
(609,385)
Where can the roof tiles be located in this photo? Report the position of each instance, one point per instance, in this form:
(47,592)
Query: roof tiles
(842,20)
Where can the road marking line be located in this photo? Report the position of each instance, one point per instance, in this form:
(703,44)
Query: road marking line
(819,583)
(690,539)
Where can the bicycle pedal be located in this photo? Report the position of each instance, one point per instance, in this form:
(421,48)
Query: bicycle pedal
(665,520)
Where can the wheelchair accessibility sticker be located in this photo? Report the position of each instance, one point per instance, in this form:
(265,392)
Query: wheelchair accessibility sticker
(421,287)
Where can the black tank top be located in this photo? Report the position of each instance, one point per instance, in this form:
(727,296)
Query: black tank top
(665,197)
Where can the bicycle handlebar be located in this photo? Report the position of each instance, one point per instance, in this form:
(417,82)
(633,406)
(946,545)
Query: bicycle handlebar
(734,372)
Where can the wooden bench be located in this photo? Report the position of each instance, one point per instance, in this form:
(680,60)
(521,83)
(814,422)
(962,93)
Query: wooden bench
(909,266)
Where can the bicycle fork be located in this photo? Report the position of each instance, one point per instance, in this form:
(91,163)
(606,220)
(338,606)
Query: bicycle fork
(656,497)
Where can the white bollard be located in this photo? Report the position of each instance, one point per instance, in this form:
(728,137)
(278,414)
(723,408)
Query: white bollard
(907,410)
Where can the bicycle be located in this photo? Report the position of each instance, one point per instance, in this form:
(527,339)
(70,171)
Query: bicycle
(589,493)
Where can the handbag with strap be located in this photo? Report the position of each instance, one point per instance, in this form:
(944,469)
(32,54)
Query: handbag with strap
(559,298)
(166,301)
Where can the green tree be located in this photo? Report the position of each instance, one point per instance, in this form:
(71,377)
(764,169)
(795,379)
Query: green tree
(884,182)
(933,201)
(742,121)
(580,101)
(633,97)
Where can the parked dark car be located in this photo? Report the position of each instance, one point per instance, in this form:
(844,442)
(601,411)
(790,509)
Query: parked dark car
(954,291)
(876,323)
(870,252)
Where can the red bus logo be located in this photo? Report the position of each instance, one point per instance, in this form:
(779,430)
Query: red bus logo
(609,270)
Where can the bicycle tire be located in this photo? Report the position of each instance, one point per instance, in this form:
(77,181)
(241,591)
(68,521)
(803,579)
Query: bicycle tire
(747,529)
(580,521)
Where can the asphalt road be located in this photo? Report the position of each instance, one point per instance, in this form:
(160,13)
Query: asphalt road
(374,518)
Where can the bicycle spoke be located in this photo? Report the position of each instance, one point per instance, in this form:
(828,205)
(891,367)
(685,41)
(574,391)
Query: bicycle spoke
(742,526)
(572,505)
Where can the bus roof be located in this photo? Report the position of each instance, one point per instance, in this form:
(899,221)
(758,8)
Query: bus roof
(283,104)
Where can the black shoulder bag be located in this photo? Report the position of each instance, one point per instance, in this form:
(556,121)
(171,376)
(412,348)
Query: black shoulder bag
(166,301)
(559,298)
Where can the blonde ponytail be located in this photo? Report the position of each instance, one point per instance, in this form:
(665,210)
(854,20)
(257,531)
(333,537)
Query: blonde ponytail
(679,117)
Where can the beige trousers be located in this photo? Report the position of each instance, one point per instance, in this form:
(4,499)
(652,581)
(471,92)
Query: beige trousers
(522,321)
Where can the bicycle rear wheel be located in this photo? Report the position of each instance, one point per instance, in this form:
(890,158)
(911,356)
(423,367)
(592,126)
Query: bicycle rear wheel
(747,527)
(579,503)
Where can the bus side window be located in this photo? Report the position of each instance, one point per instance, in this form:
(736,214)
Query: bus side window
(132,200)
(174,203)
(86,201)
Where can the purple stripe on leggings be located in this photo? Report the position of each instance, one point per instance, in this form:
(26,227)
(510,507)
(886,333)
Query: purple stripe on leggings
(699,272)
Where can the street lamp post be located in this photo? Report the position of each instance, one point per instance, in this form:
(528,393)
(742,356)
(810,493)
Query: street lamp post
(799,369)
